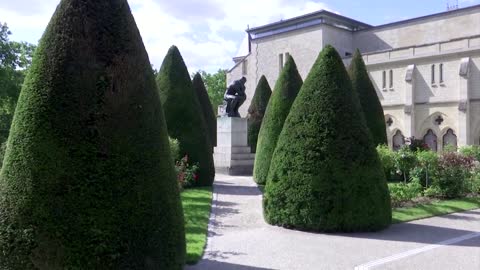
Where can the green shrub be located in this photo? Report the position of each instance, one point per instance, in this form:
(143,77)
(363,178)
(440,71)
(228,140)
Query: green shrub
(426,167)
(87,180)
(174,148)
(184,115)
(401,192)
(453,176)
(325,174)
(471,151)
(256,111)
(286,89)
(371,106)
(206,106)
(387,158)
(405,161)
(474,185)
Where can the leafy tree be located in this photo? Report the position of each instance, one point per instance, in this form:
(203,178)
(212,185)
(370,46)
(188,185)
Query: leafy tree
(256,111)
(15,58)
(371,106)
(206,105)
(184,115)
(87,181)
(325,174)
(216,85)
(286,89)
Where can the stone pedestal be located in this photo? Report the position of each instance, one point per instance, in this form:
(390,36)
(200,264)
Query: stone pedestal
(232,155)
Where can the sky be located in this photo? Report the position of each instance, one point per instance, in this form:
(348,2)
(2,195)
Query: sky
(209,32)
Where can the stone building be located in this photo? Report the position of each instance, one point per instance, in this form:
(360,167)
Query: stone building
(426,70)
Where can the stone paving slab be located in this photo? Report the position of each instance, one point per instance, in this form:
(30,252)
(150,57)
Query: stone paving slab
(240,239)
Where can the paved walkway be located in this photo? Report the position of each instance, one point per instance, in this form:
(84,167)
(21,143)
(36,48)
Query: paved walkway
(240,239)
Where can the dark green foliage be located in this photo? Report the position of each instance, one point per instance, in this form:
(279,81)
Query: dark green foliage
(184,115)
(286,89)
(87,181)
(371,106)
(325,174)
(216,84)
(206,106)
(256,111)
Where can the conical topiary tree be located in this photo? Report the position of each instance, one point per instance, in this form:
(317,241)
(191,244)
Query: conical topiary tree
(256,111)
(87,181)
(284,93)
(184,115)
(371,106)
(325,174)
(206,106)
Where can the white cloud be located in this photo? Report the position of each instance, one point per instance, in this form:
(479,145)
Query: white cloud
(207,32)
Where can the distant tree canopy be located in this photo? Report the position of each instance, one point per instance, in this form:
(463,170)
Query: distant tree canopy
(216,84)
(15,59)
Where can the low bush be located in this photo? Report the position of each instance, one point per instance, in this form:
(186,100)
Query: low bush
(453,175)
(387,158)
(402,192)
(187,174)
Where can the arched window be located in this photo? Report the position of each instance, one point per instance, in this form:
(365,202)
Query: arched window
(450,139)
(391,79)
(433,74)
(440,69)
(430,139)
(398,140)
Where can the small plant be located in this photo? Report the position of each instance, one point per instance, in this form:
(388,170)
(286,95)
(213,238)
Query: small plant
(454,171)
(471,151)
(387,158)
(401,192)
(174,148)
(187,175)
(405,160)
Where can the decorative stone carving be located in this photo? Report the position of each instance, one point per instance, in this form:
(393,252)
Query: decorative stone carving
(463,106)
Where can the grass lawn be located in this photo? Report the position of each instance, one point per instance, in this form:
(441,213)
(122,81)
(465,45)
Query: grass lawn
(197,203)
(439,208)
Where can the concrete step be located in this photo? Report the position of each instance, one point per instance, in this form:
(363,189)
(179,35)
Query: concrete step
(233,149)
(241,162)
(243,156)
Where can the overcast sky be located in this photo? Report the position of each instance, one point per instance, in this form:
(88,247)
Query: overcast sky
(209,32)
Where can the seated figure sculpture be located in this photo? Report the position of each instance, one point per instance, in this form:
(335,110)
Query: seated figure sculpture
(235,96)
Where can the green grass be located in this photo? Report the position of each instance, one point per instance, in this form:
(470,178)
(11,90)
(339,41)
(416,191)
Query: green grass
(197,203)
(439,208)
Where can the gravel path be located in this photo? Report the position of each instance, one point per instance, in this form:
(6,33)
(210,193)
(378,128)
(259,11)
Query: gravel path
(240,239)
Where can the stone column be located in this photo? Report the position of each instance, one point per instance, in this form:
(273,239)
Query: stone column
(463,132)
(409,117)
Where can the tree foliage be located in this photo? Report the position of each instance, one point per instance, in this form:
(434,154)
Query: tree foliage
(286,89)
(371,106)
(216,85)
(87,181)
(184,115)
(256,111)
(206,106)
(325,174)
(15,59)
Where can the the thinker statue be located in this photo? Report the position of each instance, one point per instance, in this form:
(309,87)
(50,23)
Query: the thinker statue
(235,96)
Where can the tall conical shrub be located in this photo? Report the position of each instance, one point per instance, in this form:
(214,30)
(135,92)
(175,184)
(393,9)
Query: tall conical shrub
(371,106)
(206,106)
(286,89)
(325,174)
(87,181)
(184,115)
(256,111)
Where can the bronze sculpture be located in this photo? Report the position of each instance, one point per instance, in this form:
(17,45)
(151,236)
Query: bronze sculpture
(235,96)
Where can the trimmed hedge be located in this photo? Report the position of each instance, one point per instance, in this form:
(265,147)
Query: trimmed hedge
(286,89)
(87,181)
(371,106)
(256,111)
(325,174)
(185,121)
(206,106)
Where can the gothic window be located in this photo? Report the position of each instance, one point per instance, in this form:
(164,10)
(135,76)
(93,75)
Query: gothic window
(244,67)
(398,140)
(450,139)
(391,79)
(440,73)
(433,74)
(430,139)
(384,79)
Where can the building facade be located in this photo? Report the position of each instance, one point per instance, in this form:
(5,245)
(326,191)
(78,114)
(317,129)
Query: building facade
(426,70)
